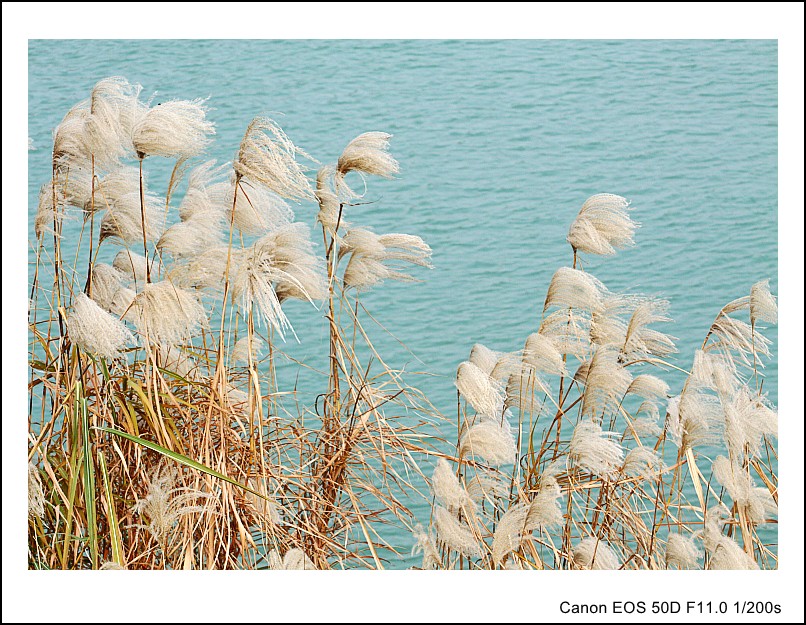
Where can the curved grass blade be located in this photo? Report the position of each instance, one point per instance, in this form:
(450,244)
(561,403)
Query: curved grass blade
(180,459)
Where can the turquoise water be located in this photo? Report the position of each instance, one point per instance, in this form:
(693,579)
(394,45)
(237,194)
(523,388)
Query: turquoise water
(499,143)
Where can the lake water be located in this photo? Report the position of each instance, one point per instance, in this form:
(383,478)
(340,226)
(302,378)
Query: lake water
(499,144)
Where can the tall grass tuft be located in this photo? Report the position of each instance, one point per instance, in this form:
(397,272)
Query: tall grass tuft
(160,437)
(582,454)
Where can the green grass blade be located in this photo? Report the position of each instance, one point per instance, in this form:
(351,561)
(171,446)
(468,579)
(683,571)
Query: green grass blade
(114,530)
(180,458)
(89,478)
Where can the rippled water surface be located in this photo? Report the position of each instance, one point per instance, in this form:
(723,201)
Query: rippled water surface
(499,143)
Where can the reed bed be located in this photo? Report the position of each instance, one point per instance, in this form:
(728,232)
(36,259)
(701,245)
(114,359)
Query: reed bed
(160,438)
(573,452)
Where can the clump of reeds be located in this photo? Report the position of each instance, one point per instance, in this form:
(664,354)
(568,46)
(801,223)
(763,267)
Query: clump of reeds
(582,455)
(160,437)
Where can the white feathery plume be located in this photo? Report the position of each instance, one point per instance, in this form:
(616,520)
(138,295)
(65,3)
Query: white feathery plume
(479,389)
(370,252)
(581,374)
(602,226)
(36,495)
(483,487)
(541,353)
(329,205)
(674,423)
(507,365)
(294,559)
(454,534)
(517,391)
(568,330)
(166,314)
(363,273)
(642,342)
(241,351)
(748,419)
(491,440)
(106,282)
(649,387)
(283,258)
(176,129)
(740,303)
(131,265)
(31,144)
(259,210)
(75,186)
(189,238)
(510,532)
(121,182)
(449,491)
(165,504)
(642,462)
(70,137)
(121,301)
(606,383)
(763,306)
(725,553)
(300,273)
(734,335)
(119,191)
(267,156)
(252,285)
(407,248)
(572,288)
(207,192)
(647,425)
(369,154)
(682,552)
(498,365)
(758,503)
(124,223)
(484,358)
(608,327)
(426,544)
(592,553)
(94,330)
(46,216)
(714,370)
(204,271)
(700,418)
(362,242)
(545,510)
(114,109)
(595,450)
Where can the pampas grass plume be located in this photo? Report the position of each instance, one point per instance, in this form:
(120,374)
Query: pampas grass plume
(268,157)
(166,314)
(595,450)
(96,331)
(682,552)
(595,554)
(454,534)
(176,129)
(602,226)
(490,440)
